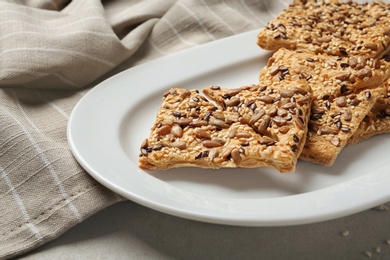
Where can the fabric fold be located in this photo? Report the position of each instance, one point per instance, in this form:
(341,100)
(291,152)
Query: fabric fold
(51,54)
(62,50)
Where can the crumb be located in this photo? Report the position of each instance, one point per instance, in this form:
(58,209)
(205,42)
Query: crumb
(381,208)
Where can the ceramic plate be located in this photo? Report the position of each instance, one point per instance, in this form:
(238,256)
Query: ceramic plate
(109,123)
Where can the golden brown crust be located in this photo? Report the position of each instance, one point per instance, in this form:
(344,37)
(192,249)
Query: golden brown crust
(324,87)
(278,113)
(228,134)
(377,121)
(332,27)
(342,96)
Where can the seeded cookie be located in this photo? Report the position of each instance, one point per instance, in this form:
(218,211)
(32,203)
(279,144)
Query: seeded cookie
(332,27)
(377,121)
(190,131)
(277,113)
(344,91)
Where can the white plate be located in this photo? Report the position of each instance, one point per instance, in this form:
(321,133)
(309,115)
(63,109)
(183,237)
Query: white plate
(107,126)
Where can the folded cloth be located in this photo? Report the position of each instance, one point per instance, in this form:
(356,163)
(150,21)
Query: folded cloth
(51,54)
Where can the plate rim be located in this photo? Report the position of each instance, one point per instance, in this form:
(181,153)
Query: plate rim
(245,221)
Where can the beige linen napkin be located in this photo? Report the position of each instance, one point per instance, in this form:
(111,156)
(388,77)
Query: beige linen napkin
(51,54)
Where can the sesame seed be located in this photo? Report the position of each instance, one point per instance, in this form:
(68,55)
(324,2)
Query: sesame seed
(368,254)
(345,233)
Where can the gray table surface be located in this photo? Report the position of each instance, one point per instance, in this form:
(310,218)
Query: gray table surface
(130,231)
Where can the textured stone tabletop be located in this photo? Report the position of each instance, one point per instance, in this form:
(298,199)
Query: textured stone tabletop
(130,231)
